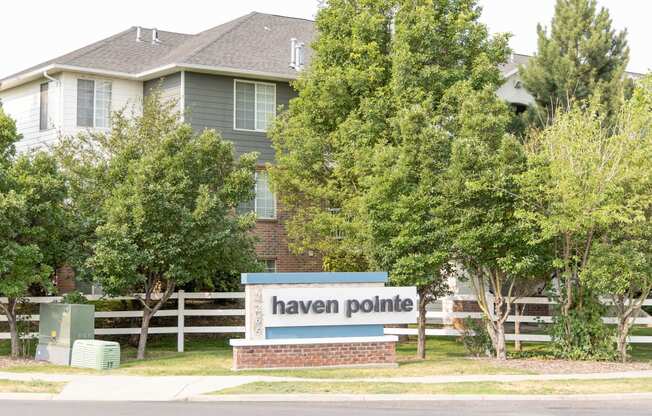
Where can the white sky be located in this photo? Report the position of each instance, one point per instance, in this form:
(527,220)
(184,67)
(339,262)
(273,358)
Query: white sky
(33,31)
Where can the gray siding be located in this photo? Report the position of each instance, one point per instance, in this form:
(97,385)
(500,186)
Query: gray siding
(170,87)
(209,105)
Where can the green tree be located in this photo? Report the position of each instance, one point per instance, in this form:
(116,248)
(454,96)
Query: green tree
(32,193)
(437,48)
(620,266)
(361,148)
(580,57)
(575,187)
(340,113)
(492,245)
(166,207)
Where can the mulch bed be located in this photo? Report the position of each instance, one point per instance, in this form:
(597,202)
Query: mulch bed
(553,366)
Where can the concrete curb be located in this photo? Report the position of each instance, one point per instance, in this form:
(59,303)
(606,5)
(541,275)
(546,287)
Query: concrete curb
(412,397)
(27,396)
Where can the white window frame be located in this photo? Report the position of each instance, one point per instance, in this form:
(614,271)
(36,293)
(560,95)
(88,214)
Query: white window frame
(275,265)
(256,198)
(256,83)
(95,82)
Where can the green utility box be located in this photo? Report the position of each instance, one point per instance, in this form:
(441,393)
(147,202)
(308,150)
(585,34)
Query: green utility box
(60,325)
(95,354)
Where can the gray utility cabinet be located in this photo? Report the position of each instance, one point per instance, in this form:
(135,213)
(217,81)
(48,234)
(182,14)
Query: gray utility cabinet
(60,325)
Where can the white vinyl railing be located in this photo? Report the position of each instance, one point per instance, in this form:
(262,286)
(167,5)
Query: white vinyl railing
(447,316)
(180,312)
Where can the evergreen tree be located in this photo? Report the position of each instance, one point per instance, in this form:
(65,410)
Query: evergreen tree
(580,57)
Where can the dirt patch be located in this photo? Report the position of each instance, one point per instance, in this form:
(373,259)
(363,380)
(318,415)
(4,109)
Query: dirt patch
(565,366)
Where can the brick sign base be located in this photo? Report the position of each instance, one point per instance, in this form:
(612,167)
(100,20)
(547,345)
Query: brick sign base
(297,355)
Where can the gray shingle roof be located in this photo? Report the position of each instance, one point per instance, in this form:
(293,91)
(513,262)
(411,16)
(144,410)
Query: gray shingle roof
(256,42)
(514,61)
(518,59)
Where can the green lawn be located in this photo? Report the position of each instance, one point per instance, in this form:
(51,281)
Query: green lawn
(521,387)
(446,356)
(11,386)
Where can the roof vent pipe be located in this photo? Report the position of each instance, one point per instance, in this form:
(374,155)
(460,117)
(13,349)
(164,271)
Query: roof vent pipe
(155,38)
(139,34)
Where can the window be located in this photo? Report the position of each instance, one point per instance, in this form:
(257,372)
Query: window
(93,103)
(43,108)
(264,202)
(270,266)
(255,105)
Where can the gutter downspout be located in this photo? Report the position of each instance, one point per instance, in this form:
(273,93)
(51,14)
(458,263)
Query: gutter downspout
(182,98)
(49,78)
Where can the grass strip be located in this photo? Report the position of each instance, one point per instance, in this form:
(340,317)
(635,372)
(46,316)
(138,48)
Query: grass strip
(13,386)
(556,387)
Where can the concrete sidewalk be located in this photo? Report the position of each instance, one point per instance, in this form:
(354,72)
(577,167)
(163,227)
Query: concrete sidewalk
(166,388)
(134,388)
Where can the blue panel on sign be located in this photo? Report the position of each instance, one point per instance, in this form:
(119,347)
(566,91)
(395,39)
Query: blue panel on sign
(352,277)
(329,331)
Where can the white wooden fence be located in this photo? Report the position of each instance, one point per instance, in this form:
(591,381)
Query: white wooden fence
(442,317)
(180,312)
(446,316)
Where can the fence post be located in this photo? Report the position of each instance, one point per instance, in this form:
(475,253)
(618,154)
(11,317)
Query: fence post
(181,302)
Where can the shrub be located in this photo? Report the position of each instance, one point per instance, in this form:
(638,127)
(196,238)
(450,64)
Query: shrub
(475,338)
(74,298)
(582,335)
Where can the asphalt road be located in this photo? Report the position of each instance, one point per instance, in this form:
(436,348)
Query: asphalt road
(456,408)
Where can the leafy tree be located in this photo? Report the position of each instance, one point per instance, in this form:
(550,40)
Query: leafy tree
(488,240)
(575,187)
(620,266)
(32,193)
(622,269)
(437,48)
(580,57)
(166,207)
(361,148)
(340,113)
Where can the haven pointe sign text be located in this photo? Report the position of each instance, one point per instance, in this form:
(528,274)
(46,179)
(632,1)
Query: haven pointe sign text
(339,306)
(321,320)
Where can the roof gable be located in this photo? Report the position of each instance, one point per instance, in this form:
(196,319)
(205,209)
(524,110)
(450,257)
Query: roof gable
(256,42)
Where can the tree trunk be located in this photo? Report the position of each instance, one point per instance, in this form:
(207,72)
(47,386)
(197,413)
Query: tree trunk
(148,313)
(501,351)
(12,321)
(421,323)
(624,325)
(497,334)
(622,344)
(144,329)
(517,326)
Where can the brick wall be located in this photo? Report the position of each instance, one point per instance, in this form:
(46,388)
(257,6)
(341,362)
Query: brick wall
(64,279)
(314,355)
(532,309)
(273,245)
